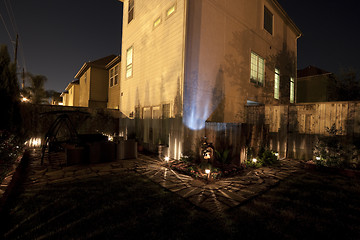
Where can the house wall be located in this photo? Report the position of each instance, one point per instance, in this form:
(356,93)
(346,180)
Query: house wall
(313,88)
(85,89)
(220,38)
(114,92)
(157,60)
(99,84)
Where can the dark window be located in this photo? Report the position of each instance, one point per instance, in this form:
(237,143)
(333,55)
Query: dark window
(166,110)
(131,11)
(268,20)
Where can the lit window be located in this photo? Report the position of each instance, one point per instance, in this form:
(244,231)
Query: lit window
(129,62)
(170,11)
(268,21)
(257,74)
(131,11)
(277,84)
(292,90)
(157,22)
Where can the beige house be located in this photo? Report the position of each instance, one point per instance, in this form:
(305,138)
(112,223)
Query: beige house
(205,60)
(71,95)
(94,83)
(113,68)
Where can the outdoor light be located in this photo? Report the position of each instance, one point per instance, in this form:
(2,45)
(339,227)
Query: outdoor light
(277,154)
(167,159)
(318,158)
(207,171)
(24,99)
(254,160)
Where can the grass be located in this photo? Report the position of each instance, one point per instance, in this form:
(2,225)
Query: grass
(128,206)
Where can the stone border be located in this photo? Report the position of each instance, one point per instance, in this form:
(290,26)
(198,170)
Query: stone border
(12,178)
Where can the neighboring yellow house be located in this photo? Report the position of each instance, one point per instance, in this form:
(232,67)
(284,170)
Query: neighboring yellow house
(94,83)
(205,60)
(114,83)
(73,95)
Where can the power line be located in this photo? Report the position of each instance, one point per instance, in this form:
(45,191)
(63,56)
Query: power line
(11,16)
(6,29)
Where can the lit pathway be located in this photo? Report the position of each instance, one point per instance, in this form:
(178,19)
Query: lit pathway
(215,197)
(221,195)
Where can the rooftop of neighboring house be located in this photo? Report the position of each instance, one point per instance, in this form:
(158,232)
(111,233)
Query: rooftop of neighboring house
(99,63)
(311,71)
(113,62)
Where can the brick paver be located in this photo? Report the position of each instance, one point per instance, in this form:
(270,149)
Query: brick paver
(214,196)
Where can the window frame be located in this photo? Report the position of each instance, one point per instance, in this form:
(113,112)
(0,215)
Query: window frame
(113,76)
(167,14)
(277,84)
(131,4)
(259,79)
(268,17)
(157,22)
(129,66)
(292,90)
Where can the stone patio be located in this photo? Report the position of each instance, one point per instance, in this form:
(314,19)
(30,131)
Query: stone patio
(216,196)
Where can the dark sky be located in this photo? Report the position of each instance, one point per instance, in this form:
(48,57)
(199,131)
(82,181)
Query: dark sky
(57,37)
(331,36)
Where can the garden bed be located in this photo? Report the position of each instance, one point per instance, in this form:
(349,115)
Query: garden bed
(198,170)
(311,165)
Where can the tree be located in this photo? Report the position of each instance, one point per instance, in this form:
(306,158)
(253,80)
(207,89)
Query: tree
(9,93)
(36,91)
(345,87)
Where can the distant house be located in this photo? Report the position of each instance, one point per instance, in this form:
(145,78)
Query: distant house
(313,85)
(113,68)
(205,60)
(72,94)
(65,99)
(93,79)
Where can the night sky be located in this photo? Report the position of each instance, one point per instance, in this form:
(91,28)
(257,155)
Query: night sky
(57,37)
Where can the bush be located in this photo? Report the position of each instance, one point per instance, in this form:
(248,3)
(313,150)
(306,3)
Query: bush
(265,157)
(335,150)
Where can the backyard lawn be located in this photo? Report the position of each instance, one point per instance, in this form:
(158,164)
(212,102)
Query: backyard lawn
(314,205)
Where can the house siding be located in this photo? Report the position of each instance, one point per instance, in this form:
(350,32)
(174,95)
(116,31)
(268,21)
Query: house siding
(157,55)
(85,89)
(221,36)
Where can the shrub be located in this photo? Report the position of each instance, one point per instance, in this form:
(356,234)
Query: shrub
(336,150)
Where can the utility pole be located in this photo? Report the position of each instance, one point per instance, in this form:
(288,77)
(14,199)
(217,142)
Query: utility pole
(23,79)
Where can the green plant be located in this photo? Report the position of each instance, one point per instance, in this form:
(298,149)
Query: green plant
(268,157)
(335,150)
(223,156)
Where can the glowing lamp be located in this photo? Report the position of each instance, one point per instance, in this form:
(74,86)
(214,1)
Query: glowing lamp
(318,158)
(254,160)
(207,171)
(167,159)
(277,154)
